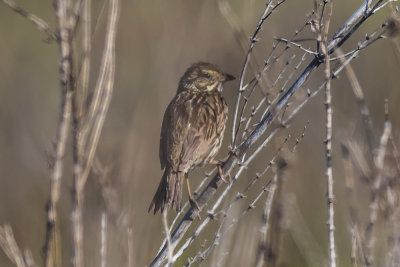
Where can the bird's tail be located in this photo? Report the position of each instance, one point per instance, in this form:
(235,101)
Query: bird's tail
(169,192)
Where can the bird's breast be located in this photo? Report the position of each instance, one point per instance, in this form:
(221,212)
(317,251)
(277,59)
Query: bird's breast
(214,117)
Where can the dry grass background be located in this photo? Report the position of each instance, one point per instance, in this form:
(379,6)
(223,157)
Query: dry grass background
(156,42)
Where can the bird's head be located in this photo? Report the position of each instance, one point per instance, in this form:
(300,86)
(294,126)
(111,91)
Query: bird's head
(204,77)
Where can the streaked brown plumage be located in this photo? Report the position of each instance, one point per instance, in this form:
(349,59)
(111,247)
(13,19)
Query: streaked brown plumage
(192,131)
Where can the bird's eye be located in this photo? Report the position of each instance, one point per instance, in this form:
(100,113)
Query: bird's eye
(208,75)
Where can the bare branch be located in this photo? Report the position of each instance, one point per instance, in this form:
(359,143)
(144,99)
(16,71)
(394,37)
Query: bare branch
(84,72)
(50,247)
(262,246)
(322,41)
(40,23)
(168,237)
(373,213)
(359,95)
(28,258)
(103,240)
(287,42)
(10,247)
(130,248)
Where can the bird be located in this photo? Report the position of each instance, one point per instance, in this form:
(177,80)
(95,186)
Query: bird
(192,132)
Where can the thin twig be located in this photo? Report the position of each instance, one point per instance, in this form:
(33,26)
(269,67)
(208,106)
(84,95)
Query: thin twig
(262,246)
(322,40)
(168,237)
(270,163)
(75,16)
(392,198)
(130,248)
(10,247)
(242,195)
(28,258)
(51,246)
(103,240)
(273,242)
(201,256)
(373,212)
(356,248)
(394,255)
(40,23)
(84,72)
(296,45)
(359,95)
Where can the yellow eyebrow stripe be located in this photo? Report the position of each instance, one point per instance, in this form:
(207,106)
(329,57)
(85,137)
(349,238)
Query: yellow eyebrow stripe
(212,72)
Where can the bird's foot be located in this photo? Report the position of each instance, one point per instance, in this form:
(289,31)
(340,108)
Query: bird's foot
(225,177)
(195,205)
(233,152)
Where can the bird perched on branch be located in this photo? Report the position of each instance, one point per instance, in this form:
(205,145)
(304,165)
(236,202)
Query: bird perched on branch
(192,132)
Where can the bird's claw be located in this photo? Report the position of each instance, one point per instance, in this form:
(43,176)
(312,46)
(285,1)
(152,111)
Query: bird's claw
(225,178)
(195,205)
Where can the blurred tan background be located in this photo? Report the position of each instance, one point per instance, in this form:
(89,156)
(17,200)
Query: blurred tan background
(156,42)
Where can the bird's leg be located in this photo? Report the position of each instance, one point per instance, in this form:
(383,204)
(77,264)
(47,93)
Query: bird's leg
(225,178)
(192,201)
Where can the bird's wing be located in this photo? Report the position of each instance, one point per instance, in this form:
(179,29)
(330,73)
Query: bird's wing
(163,137)
(174,129)
(188,129)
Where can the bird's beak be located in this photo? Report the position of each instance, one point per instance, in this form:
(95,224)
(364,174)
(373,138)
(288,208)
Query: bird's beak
(228,77)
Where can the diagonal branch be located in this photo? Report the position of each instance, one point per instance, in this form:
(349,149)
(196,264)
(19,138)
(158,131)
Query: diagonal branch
(40,23)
